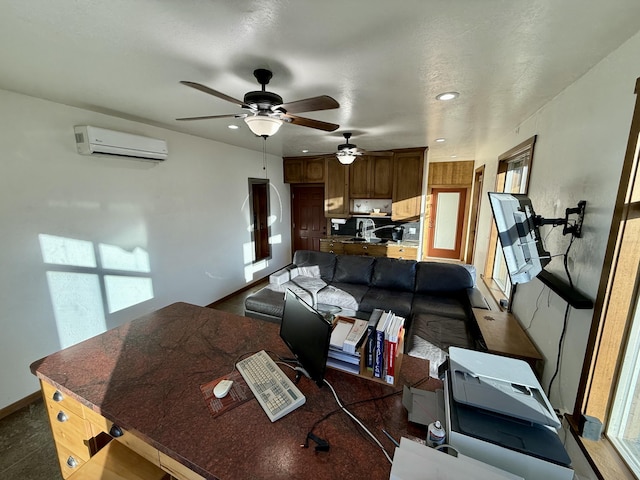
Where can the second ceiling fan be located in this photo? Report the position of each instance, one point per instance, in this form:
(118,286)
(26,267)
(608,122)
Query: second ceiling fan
(266,111)
(347,152)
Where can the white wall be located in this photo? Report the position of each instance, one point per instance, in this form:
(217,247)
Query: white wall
(582,136)
(183,224)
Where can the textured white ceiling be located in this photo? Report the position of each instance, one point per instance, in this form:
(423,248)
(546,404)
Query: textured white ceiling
(384,61)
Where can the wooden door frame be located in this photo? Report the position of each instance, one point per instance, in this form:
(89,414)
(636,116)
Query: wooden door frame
(253,182)
(476,201)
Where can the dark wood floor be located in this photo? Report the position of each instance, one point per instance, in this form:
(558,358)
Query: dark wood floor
(27,451)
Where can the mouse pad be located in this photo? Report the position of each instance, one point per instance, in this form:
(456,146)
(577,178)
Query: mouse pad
(238,394)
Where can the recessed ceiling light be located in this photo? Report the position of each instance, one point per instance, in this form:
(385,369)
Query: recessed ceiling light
(454,156)
(234,127)
(305,151)
(447,96)
(440,140)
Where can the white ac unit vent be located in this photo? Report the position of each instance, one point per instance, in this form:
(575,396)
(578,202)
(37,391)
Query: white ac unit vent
(100,141)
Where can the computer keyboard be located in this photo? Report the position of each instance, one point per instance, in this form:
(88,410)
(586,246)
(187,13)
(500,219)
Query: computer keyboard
(275,392)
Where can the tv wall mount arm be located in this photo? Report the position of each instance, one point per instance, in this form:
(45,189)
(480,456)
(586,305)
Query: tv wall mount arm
(575,228)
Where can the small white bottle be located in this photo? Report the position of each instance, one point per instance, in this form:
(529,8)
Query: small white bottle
(435,434)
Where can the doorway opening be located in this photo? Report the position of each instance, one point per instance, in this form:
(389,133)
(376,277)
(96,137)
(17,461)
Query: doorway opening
(260,231)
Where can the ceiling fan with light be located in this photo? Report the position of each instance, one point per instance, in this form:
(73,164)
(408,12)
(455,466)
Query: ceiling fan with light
(347,152)
(266,111)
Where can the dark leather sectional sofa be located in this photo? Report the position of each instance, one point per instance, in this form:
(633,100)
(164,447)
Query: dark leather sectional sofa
(435,298)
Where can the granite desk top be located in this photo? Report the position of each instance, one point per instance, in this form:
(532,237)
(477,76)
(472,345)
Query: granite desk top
(145,376)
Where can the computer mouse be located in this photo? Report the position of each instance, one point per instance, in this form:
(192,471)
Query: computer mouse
(222,388)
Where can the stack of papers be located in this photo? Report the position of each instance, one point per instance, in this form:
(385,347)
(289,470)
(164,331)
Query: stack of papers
(346,338)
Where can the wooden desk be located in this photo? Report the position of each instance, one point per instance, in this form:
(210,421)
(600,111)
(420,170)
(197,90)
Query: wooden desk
(145,376)
(503,335)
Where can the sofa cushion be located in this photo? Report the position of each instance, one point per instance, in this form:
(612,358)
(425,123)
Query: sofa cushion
(324,261)
(345,295)
(396,301)
(442,277)
(394,274)
(309,285)
(354,269)
(430,337)
(266,301)
(446,306)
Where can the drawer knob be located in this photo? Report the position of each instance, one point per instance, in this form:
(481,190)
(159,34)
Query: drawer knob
(62,417)
(364,247)
(115,431)
(331,251)
(71,462)
(57,396)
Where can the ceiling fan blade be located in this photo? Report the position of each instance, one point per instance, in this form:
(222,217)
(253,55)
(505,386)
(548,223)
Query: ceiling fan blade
(215,93)
(207,117)
(323,102)
(309,122)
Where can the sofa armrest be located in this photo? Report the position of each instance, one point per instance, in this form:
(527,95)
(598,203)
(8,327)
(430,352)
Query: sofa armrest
(283,275)
(476,299)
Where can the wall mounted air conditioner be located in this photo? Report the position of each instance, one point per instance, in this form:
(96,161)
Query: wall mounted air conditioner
(100,141)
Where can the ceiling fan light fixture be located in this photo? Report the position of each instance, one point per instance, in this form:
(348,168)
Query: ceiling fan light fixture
(346,159)
(263,125)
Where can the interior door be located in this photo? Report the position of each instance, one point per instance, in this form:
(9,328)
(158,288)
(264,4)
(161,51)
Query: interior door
(446,222)
(309,222)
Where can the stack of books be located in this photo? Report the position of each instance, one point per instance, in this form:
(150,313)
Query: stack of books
(384,340)
(369,348)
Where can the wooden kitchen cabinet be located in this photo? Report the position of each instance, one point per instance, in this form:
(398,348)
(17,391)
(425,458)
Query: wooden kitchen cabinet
(402,252)
(408,170)
(336,189)
(371,177)
(304,169)
(331,246)
(367,249)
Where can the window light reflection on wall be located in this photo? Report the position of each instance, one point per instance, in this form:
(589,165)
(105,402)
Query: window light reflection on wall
(76,279)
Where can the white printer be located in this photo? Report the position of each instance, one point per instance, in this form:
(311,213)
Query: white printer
(497,412)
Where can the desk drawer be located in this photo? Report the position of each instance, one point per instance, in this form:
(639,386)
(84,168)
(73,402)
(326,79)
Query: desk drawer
(68,460)
(57,400)
(70,431)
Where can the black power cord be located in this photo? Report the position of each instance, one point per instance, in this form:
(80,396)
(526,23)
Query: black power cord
(566,317)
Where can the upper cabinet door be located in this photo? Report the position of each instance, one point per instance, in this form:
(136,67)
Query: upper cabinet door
(293,170)
(359,178)
(336,189)
(371,177)
(304,169)
(408,168)
(382,173)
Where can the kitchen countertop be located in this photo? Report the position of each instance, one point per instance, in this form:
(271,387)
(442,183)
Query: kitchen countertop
(146,374)
(349,239)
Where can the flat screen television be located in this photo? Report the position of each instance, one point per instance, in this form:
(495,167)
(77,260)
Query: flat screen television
(307,333)
(519,234)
